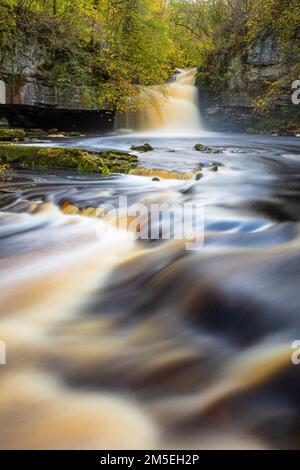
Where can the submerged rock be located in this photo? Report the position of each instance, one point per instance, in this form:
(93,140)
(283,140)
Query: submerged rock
(142,148)
(9,134)
(204,148)
(213,168)
(67,158)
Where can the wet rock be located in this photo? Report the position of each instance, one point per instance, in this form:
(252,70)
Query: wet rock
(56,136)
(213,168)
(9,135)
(104,162)
(142,148)
(4,122)
(155,179)
(198,176)
(36,134)
(74,134)
(205,149)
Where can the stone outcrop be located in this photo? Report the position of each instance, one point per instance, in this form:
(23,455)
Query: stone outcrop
(232,109)
(26,83)
(29,99)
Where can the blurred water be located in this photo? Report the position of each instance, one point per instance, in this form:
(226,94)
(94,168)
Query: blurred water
(170,110)
(128,344)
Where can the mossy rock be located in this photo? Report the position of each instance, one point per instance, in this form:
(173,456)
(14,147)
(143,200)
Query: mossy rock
(67,158)
(251,130)
(39,134)
(9,134)
(205,149)
(142,148)
(213,168)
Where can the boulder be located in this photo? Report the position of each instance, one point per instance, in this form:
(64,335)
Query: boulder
(7,135)
(142,148)
(205,149)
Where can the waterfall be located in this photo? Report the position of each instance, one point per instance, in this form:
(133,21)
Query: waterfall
(172,109)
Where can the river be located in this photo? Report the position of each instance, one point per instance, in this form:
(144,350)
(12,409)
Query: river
(119,343)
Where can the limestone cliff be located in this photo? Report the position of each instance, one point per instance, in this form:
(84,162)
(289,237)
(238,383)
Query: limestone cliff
(247,78)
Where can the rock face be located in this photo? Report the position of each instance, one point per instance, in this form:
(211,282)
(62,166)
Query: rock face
(29,99)
(27,84)
(232,109)
(264,53)
(45,117)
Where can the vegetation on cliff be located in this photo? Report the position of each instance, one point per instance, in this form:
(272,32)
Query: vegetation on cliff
(107,47)
(223,33)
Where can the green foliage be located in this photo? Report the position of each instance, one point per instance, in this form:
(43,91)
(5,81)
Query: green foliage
(280,20)
(217,32)
(8,134)
(105,48)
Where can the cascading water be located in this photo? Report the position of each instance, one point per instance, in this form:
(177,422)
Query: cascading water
(170,110)
(118,343)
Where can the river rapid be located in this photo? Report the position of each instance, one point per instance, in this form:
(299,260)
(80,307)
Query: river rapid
(121,343)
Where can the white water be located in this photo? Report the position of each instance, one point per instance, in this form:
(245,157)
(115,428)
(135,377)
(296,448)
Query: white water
(169,111)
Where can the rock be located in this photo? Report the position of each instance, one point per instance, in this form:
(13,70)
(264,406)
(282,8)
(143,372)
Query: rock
(4,122)
(142,148)
(8,135)
(36,134)
(56,136)
(205,149)
(213,168)
(198,176)
(74,134)
(263,53)
(155,179)
(104,162)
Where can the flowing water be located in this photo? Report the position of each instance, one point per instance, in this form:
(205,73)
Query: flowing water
(122,343)
(172,109)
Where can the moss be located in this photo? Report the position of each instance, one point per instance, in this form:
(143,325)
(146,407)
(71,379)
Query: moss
(213,168)
(8,134)
(203,148)
(288,124)
(36,134)
(67,158)
(142,148)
